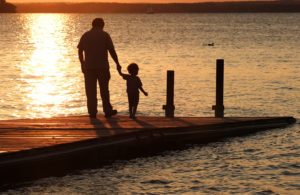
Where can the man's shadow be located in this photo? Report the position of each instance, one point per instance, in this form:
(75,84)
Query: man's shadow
(106,126)
(111,126)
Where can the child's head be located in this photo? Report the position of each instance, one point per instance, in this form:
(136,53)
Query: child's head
(133,69)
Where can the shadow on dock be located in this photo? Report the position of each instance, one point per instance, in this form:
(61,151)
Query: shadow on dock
(29,151)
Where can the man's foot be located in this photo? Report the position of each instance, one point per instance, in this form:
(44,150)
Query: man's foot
(111,113)
(132,116)
(93,116)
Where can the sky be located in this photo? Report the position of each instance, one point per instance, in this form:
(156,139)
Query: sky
(121,1)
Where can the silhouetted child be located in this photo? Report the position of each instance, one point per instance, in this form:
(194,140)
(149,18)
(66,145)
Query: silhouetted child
(134,84)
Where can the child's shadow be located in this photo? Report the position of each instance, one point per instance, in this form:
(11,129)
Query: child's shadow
(144,124)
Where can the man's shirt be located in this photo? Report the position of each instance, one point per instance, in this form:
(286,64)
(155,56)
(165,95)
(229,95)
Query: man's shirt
(95,44)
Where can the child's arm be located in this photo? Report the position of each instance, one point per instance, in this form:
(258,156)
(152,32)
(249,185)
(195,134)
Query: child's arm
(142,90)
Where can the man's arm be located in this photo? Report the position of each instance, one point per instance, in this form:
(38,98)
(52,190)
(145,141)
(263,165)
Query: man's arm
(114,56)
(112,51)
(80,55)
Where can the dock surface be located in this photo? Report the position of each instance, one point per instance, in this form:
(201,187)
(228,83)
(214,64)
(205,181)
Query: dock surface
(26,134)
(34,148)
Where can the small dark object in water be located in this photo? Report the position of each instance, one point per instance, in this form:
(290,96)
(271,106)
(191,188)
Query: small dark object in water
(211,44)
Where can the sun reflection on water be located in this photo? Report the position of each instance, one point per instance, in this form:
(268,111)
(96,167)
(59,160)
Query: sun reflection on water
(43,72)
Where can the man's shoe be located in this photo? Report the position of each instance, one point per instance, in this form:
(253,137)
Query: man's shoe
(111,113)
(114,112)
(93,116)
(132,116)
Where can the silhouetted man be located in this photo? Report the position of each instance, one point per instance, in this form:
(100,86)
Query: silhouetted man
(95,45)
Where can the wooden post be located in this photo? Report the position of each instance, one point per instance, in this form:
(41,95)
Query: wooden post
(219,107)
(169,107)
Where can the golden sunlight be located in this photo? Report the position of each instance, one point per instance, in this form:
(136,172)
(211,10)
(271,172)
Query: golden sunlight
(42,73)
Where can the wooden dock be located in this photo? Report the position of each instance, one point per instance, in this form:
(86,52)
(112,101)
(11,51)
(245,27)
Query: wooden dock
(34,148)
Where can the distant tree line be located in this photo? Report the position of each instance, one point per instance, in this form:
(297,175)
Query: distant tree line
(7,7)
(214,7)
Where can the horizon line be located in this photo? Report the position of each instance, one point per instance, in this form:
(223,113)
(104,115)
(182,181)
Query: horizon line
(196,2)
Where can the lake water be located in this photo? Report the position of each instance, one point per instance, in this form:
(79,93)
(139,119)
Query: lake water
(40,76)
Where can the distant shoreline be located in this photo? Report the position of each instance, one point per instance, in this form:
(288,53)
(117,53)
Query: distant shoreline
(7,7)
(219,7)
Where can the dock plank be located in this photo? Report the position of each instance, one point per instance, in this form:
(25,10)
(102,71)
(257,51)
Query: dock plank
(35,148)
(25,134)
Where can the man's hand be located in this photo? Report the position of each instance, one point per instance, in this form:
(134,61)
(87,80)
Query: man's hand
(81,59)
(119,68)
(83,68)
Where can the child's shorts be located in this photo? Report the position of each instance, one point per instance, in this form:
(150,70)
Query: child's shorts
(133,99)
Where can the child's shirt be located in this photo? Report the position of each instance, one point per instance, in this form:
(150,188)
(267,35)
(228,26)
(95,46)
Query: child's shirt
(133,83)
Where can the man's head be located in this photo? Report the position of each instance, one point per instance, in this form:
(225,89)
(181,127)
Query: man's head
(98,23)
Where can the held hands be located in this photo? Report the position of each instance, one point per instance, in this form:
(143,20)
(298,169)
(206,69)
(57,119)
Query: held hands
(119,68)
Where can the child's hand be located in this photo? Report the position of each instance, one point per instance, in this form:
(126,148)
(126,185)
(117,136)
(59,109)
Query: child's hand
(146,94)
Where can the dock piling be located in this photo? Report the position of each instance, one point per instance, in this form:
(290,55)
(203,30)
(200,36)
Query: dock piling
(219,107)
(169,107)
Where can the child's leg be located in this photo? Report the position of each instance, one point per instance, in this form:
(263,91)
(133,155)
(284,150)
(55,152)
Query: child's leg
(136,103)
(134,108)
(130,103)
(130,110)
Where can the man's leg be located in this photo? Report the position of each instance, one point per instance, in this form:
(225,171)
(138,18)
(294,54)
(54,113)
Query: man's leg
(90,78)
(104,77)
